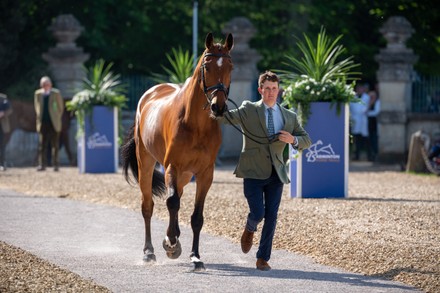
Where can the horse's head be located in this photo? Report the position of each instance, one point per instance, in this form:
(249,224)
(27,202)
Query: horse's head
(215,73)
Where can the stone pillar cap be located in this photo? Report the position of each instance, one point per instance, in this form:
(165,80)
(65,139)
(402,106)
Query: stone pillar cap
(65,28)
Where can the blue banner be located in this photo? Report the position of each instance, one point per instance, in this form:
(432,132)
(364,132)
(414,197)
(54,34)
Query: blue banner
(322,170)
(98,144)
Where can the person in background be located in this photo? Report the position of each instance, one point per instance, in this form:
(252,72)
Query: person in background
(268,128)
(359,121)
(373,112)
(5,111)
(49,107)
(434,152)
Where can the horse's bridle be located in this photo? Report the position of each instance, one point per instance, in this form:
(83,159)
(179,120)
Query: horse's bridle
(215,88)
(221,87)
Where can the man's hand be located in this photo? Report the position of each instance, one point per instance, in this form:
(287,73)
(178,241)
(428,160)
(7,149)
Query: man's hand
(286,137)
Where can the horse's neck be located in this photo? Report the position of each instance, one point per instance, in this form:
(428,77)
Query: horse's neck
(196,107)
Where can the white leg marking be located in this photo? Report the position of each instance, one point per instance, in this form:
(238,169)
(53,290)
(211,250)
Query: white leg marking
(168,242)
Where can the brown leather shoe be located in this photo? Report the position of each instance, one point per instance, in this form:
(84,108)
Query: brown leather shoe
(246,240)
(262,265)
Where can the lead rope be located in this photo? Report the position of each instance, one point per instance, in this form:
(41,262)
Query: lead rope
(271,139)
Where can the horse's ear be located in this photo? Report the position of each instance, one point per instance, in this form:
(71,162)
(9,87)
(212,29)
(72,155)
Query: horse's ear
(229,43)
(209,40)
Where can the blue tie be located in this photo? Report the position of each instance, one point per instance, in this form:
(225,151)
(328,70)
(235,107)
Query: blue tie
(270,126)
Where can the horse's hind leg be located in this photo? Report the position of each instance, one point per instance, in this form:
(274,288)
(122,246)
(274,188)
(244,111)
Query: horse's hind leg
(146,167)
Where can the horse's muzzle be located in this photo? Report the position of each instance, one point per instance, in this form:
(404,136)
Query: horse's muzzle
(217,111)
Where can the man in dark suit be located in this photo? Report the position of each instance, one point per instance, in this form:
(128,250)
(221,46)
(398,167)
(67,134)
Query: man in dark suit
(267,128)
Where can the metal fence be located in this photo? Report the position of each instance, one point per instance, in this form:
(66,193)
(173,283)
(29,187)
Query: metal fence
(426,94)
(136,86)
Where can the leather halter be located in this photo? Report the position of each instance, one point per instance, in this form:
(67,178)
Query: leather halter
(215,88)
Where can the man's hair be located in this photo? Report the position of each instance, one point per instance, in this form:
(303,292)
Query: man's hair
(45,79)
(268,75)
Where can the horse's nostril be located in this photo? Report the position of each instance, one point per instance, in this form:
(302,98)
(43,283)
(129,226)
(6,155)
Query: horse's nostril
(214,108)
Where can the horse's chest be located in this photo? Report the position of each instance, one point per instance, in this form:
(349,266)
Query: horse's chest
(200,142)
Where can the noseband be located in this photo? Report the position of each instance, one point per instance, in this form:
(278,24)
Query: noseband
(215,88)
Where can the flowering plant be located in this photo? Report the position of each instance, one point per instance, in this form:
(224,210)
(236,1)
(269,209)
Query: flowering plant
(305,90)
(100,87)
(318,76)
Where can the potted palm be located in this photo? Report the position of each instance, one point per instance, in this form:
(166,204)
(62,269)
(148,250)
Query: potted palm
(97,107)
(181,67)
(320,86)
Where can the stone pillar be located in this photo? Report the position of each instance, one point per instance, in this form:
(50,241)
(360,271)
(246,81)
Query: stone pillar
(66,59)
(394,77)
(244,79)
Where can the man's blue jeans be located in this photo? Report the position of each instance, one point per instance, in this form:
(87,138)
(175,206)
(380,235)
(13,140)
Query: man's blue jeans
(263,197)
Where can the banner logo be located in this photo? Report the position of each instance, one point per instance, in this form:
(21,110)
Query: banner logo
(318,153)
(98,141)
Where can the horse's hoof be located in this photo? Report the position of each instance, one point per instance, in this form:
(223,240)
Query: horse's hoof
(199,266)
(173,251)
(150,258)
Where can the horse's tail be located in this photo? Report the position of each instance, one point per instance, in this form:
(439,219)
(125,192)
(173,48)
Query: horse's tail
(129,160)
(128,155)
(159,187)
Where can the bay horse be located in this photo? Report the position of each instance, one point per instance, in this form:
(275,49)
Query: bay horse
(177,127)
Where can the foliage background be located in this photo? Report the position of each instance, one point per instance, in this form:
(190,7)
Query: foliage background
(136,34)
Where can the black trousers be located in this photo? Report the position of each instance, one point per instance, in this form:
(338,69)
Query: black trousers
(48,136)
(361,143)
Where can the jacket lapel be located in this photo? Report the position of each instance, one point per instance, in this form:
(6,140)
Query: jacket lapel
(262,115)
(288,126)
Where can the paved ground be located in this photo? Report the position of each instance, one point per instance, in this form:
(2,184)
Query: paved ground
(105,244)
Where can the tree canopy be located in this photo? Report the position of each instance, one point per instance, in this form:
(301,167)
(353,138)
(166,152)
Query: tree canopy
(136,34)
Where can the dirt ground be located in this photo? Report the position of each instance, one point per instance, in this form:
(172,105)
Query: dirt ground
(388,227)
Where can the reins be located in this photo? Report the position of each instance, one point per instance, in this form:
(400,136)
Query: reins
(221,87)
(271,139)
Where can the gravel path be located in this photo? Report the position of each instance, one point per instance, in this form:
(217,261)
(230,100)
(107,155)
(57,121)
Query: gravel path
(388,227)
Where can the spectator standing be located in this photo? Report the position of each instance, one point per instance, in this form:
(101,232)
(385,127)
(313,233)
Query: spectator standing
(434,152)
(5,111)
(373,112)
(359,121)
(49,107)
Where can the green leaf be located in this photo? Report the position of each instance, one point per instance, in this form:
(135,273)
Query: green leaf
(319,74)
(101,86)
(181,67)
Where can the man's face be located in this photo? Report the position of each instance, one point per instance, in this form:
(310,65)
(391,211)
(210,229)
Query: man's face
(46,86)
(269,92)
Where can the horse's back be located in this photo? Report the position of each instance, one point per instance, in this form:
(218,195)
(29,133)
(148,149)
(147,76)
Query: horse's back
(155,113)
(158,94)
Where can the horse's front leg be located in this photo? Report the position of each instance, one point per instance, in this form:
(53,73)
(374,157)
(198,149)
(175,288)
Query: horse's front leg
(204,181)
(171,243)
